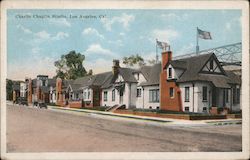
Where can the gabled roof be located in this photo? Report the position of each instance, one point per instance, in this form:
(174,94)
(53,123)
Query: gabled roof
(193,66)
(89,81)
(127,74)
(151,74)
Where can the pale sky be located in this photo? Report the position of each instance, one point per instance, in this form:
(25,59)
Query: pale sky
(35,43)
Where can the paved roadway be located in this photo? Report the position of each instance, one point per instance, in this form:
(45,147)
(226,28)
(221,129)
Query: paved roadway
(41,130)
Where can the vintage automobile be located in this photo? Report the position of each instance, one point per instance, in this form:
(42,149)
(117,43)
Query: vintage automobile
(40,104)
(22,101)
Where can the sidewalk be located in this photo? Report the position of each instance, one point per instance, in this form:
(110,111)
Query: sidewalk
(155,119)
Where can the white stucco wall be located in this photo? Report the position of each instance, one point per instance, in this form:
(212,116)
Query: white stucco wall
(109,101)
(22,89)
(195,103)
(146,103)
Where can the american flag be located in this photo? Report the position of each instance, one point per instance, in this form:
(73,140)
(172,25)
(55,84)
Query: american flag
(204,34)
(162,45)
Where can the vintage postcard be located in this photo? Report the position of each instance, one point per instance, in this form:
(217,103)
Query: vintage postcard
(124,80)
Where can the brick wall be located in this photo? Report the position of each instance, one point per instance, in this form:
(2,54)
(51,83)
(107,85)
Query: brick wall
(166,102)
(59,95)
(75,104)
(29,97)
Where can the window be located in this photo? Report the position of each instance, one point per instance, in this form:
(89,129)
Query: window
(85,95)
(226,95)
(171,92)
(204,93)
(105,96)
(204,109)
(138,76)
(186,109)
(169,72)
(138,93)
(113,95)
(211,65)
(150,107)
(88,94)
(43,83)
(186,94)
(158,108)
(236,95)
(154,95)
(77,95)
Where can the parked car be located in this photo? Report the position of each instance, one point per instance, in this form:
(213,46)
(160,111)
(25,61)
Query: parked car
(22,101)
(42,105)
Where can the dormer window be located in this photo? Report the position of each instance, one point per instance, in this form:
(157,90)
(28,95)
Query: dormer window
(170,73)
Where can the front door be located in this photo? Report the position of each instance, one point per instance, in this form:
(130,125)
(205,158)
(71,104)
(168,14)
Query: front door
(214,99)
(121,97)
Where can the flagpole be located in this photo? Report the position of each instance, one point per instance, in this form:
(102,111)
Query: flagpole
(156,50)
(197,41)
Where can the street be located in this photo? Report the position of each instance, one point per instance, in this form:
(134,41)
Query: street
(45,130)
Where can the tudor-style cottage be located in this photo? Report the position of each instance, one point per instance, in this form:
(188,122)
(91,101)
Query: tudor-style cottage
(38,89)
(197,83)
(132,88)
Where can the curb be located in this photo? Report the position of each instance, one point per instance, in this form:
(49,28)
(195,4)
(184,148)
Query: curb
(111,114)
(173,122)
(230,122)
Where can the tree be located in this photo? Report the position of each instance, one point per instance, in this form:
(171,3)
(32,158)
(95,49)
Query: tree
(9,86)
(133,60)
(70,66)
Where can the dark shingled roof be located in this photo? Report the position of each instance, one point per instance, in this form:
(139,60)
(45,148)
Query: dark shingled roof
(152,74)
(180,64)
(193,66)
(89,81)
(233,78)
(52,82)
(127,74)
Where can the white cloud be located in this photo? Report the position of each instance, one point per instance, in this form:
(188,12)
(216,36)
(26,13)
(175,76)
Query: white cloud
(25,30)
(233,23)
(117,42)
(228,26)
(186,49)
(97,65)
(172,16)
(60,35)
(31,68)
(122,34)
(45,36)
(165,35)
(35,50)
(124,20)
(92,31)
(98,49)
(42,35)
(60,22)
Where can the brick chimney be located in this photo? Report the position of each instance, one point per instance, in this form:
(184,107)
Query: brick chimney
(115,67)
(165,58)
(167,102)
(29,87)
